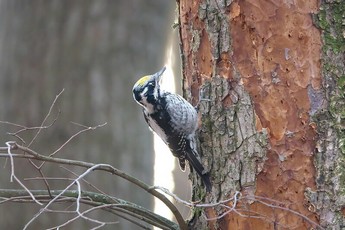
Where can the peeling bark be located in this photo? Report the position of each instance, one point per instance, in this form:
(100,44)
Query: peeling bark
(277,52)
(259,64)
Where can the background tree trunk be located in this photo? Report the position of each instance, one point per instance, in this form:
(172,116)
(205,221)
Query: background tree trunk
(95,50)
(274,127)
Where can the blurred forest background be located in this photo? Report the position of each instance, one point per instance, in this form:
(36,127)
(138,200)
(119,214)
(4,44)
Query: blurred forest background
(95,50)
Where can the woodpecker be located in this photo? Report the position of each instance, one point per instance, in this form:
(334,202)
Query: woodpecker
(174,120)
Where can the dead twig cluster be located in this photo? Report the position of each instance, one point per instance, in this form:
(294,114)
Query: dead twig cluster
(46,198)
(101,201)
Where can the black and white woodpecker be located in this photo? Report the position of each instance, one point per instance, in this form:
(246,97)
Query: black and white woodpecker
(173,118)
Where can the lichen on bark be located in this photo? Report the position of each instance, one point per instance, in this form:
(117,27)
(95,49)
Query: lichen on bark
(328,199)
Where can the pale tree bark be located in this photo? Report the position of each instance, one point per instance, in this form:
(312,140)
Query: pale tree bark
(95,50)
(274,126)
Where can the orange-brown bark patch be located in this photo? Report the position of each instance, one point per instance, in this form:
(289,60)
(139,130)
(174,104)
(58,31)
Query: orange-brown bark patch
(225,66)
(204,57)
(277,52)
(196,47)
(212,215)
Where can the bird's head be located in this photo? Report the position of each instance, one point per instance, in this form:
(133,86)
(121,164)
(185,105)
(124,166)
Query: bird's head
(146,89)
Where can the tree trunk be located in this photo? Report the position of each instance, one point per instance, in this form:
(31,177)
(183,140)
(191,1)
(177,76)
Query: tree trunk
(274,126)
(95,50)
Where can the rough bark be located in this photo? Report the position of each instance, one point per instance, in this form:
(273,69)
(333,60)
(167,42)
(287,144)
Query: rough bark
(274,125)
(328,199)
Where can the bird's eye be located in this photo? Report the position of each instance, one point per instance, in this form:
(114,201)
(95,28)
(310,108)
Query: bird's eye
(152,84)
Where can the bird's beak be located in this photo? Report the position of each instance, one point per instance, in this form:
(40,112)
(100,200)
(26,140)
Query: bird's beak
(159,74)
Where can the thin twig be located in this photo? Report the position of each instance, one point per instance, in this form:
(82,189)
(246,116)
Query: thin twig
(82,214)
(44,180)
(77,134)
(87,182)
(78,207)
(48,178)
(193,204)
(284,209)
(63,191)
(13,176)
(69,140)
(234,204)
(224,203)
(119,207)
(46,117)
(233,208)
(26,128)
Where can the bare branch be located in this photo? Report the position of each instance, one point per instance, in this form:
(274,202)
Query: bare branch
(115,205)
(101,224)
(67,187)
(91,185)
(230,205)
(107,168)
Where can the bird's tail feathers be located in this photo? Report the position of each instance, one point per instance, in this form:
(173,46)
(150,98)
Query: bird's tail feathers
(197,166)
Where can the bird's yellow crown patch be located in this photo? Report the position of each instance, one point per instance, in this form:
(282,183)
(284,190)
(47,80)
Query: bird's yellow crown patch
(142,80)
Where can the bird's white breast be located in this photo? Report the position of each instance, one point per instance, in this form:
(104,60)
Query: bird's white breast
(156,128)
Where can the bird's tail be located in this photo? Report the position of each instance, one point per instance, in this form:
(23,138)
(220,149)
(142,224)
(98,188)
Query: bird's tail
(197,166)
